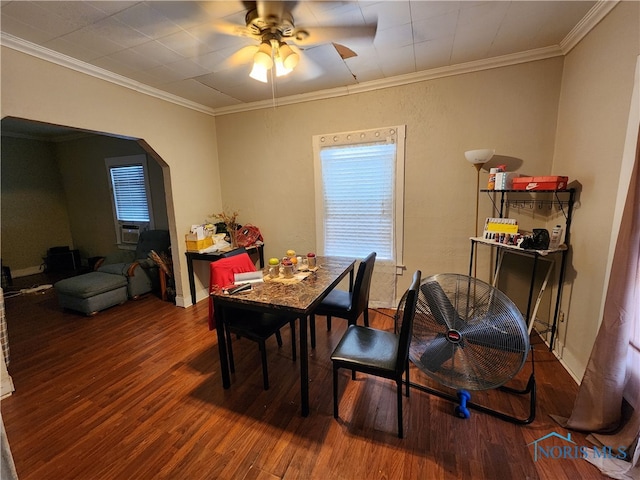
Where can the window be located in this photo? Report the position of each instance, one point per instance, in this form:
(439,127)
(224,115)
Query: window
(129,193)
(359,179)
(128,181)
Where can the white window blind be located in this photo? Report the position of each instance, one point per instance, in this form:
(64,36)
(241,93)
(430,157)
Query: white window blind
(359,186)
(358,196)
(128,179)
(129,193)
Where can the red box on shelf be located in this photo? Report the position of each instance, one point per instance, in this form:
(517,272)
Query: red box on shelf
(540,183)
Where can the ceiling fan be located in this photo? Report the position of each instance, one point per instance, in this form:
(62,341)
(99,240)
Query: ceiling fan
(281,42)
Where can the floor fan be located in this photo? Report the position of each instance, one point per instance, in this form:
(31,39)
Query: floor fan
(468,335)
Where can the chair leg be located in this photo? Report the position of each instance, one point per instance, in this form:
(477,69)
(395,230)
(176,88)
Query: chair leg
(399,395)
(232,365)
(335,391)
(279,338)
(312,329)
(293,339)
(407,378)
(366,317)
(328,323)
(265,372)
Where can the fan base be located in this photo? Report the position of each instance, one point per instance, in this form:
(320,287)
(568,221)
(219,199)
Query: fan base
(461,410)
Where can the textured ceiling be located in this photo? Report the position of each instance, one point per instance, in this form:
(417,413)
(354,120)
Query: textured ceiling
(177,48)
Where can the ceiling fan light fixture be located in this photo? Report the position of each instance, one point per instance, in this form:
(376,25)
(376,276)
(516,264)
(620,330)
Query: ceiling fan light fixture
(281,70)
(263,56)
(289,58)
(259,72)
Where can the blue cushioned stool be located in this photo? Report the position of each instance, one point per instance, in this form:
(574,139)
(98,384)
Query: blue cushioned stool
(91,292)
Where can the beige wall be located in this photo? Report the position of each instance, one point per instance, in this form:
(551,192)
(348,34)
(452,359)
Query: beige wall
(183,138)
(34,207)
(564,119)
(594,107)
(57,194)
(87,188)
(266,161)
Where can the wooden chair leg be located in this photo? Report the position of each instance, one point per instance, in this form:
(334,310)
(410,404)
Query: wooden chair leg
(328,323)
(163,284)
(366,317)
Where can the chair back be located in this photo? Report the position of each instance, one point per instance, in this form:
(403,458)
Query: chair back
(157,240)
(221,274)
(362,285)
(405,313)
(234,252)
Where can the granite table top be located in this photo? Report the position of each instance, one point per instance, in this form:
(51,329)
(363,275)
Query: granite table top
(300,298)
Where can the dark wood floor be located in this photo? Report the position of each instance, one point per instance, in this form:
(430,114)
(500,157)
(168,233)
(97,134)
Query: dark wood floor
(135,393)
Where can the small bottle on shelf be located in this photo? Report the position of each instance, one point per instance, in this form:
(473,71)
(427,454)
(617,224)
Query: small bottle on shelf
(556,236)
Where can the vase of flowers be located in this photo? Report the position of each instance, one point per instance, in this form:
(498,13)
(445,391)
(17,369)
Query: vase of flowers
(230,221)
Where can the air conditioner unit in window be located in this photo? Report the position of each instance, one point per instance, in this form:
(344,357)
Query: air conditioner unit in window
(130,233)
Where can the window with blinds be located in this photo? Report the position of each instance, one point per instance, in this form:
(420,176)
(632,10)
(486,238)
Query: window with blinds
(358,197)
(129,193)
(130,196)
(359,185)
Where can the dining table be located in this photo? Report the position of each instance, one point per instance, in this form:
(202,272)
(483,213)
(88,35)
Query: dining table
(295,297)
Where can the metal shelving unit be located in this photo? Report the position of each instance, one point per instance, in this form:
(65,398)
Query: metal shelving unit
(564,200)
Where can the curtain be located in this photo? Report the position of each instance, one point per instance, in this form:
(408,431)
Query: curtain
(608,401)
(7,467)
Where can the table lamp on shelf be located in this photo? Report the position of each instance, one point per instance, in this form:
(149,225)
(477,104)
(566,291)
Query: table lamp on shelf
(478,158)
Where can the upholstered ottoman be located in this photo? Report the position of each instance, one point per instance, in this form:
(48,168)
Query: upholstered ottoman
(91,292)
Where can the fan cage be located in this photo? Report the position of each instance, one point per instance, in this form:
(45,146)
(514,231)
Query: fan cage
(467,334)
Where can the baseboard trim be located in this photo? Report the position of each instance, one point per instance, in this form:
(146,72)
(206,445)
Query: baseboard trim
(556,352)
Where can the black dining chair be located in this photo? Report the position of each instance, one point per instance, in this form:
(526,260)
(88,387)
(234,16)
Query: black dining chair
(258,327)
(378,352)
(347,304)
(255,326)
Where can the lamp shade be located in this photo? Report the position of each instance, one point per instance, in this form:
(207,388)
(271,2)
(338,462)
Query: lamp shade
(258,72)
(289,57)
(480,156)
(281,70)
(263,56)
(273,54)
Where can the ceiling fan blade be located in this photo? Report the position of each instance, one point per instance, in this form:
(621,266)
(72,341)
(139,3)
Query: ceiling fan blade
(240,57)
(304,37)
(233,29)
(307,69)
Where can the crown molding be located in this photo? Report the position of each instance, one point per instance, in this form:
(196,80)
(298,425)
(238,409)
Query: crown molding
(593,17)
(399,80)
(600,10)
(23,46)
